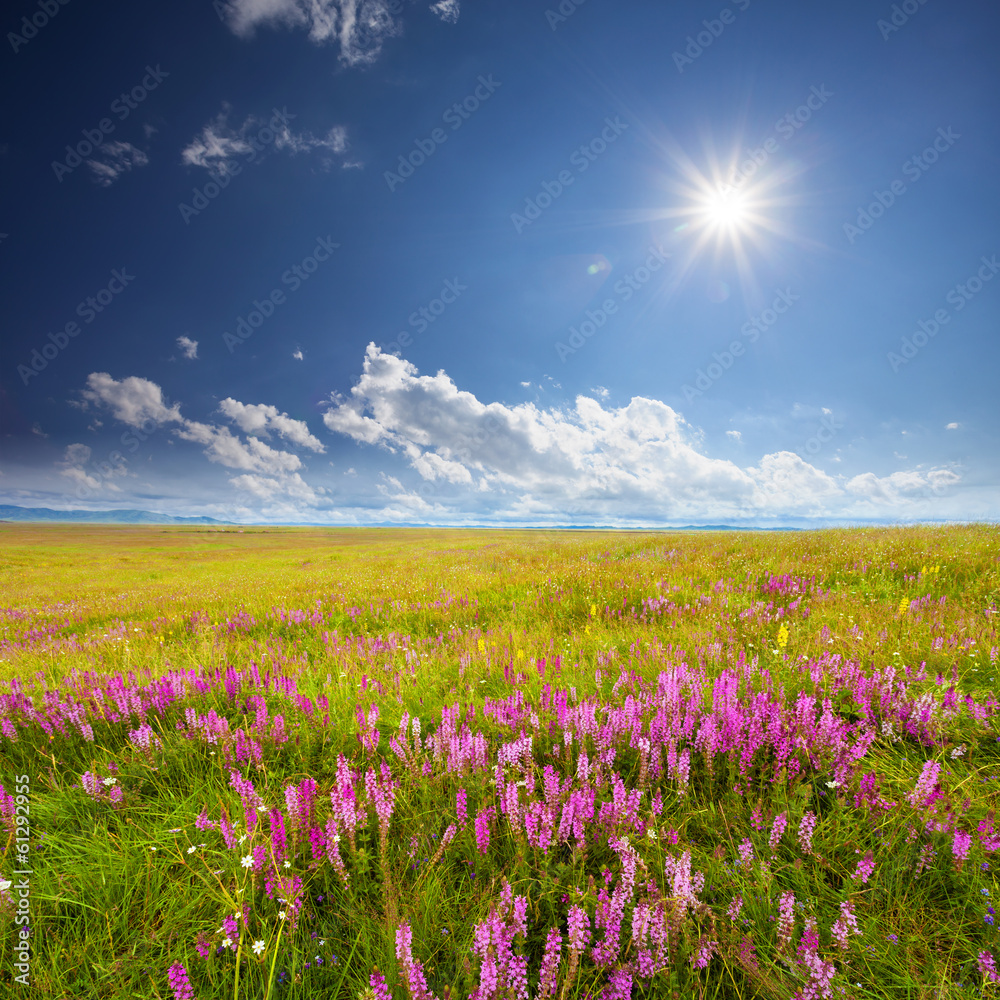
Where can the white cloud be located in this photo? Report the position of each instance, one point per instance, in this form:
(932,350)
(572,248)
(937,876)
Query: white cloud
(267,471)
(133,400)
(218,144)
(72,465)
(116,158)
(359,27)
(188,346)
(640,461)
(952,426)
(735,435)
(224,447)
(600,392)
(268,489)
(447,10)
(297,354)
(260,418)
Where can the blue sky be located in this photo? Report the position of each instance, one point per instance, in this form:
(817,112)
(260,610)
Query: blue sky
(502,262)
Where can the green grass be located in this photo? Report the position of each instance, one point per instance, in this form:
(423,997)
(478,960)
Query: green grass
(413,621)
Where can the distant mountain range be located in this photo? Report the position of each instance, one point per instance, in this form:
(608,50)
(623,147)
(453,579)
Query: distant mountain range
(11,513)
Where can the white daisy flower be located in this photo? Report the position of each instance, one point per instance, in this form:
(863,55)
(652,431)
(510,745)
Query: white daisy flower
(248,861)
(192,849)
(258,947)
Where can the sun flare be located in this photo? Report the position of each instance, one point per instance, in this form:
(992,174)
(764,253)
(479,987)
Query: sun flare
(726,209)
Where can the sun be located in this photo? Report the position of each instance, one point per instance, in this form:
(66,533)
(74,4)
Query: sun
(725,208)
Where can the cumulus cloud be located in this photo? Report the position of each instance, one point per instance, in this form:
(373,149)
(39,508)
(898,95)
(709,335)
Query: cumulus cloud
(297,354)
(116,158)
(260,418)
(735,435)
(641,461)
(188,346)
(133,400)
(265,471)
(219,144)
(358,27)
(447,10)
(901,487)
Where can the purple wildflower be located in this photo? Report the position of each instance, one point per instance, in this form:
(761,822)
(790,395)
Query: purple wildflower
(179,982)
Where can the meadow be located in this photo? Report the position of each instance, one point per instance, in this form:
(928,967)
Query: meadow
(283,763)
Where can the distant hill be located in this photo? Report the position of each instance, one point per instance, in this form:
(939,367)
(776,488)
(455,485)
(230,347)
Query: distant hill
(11,513)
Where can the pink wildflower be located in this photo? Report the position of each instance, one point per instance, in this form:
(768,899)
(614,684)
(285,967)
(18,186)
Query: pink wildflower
(847,922)
(786,919)
(865,867)
(960,844)
(377,982)
(550,965)
(987,967)
(780,822)
(178,978)
(806,828)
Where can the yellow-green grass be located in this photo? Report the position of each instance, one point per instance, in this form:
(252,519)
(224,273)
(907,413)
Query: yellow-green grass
(480,610)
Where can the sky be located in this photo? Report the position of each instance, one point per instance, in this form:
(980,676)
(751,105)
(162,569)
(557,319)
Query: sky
(507,262)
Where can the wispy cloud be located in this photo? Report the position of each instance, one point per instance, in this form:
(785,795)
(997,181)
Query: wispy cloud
(116,158)
(447,10)
(358,27)
(219,145)
(72,465)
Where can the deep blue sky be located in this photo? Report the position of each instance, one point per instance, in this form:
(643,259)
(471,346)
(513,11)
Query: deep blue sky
(836,407)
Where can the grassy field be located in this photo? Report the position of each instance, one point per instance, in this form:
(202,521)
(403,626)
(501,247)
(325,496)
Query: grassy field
(367,763)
